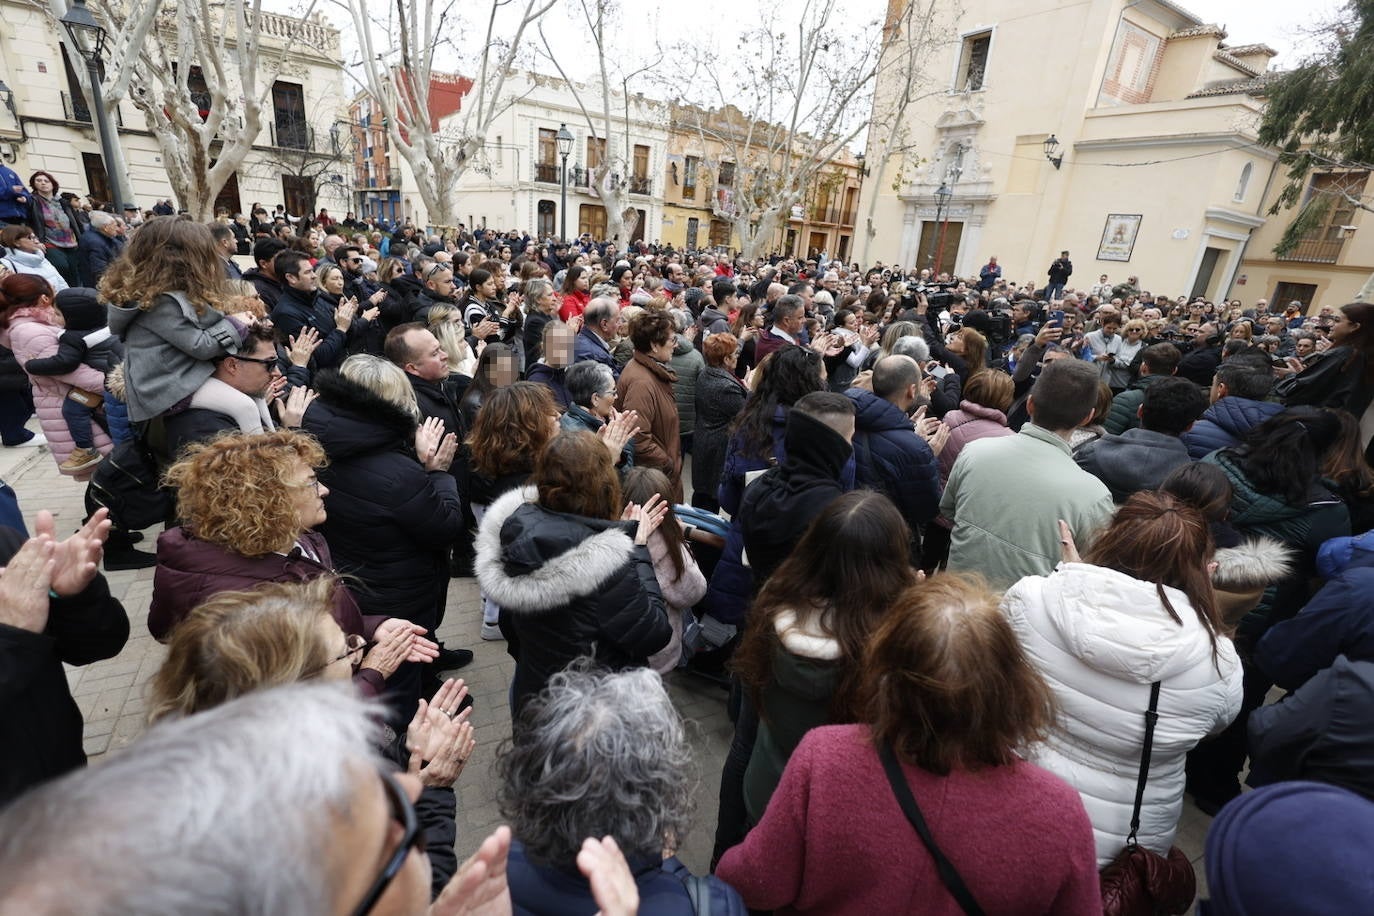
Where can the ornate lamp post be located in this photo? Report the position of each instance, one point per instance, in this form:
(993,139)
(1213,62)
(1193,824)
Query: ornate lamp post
(88,38)
(565,143)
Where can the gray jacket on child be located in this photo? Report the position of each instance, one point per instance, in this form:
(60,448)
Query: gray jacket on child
(169,351)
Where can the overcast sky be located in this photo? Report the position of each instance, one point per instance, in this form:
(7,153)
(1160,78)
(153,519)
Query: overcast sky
(1284,26)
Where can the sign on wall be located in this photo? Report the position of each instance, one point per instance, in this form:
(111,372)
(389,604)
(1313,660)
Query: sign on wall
(1118,237)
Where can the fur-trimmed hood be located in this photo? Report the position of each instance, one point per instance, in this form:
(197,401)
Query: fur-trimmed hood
(531,559)
(349,420)
(1252,564)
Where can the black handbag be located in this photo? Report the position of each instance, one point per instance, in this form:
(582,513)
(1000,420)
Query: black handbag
(1139,882)
(949,875)
(126,483)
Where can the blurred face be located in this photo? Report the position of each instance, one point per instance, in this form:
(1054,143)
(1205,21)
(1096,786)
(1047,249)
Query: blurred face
(1110,329)
(1135,333)
(503,371)
(307,495)
(558,347)
(428,360)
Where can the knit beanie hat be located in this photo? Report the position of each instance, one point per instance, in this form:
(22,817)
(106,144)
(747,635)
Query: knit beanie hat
(1292,848)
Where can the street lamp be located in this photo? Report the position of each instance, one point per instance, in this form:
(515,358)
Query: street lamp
(565,143)
(942,197)
(88,38)
(1051,146)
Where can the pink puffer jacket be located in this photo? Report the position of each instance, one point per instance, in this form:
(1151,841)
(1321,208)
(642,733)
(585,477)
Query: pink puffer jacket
(969,423)
(33,335)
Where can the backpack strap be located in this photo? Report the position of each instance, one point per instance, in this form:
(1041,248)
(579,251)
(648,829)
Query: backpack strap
(1151,717)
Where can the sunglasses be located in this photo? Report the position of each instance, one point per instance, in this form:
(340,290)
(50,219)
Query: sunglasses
(270,361)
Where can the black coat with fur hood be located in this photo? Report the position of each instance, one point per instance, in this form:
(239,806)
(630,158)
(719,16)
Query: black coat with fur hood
(390,522)
(568,587)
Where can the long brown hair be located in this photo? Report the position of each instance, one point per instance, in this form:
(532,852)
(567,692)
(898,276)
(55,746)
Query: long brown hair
(511,429)
(947,684)
(839,579)
(574,473)
(1160,539)
(168,254)
(642,483)
(21,291)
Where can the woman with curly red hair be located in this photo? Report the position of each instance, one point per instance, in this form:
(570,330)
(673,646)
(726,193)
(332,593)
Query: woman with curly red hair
(249,505)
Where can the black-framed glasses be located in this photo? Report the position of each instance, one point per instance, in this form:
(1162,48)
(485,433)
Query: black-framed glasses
(269,361)
(403,812)
(438,266)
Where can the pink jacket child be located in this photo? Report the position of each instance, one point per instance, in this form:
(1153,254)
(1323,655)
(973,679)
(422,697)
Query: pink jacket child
(33,334)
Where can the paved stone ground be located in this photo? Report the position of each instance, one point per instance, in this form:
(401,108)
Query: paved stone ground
(111,693)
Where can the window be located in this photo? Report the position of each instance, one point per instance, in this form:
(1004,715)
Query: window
(1243,184)
(1285,293)
(76,108)
(596,152)
(298,194)
(689,178)
(693,226)
(639,181)
(548,211)
(727,173)
(96,178)
(973,62)
(1322,243)
(292,130)
(720,233)
(591,218)
(546,169)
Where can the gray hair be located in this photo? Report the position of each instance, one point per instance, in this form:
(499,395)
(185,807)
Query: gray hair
(606,291)
(102,220)
(536,287)
(598,754)
(189,802)
(600,309)
(585,379)
(914,346)
(681,319)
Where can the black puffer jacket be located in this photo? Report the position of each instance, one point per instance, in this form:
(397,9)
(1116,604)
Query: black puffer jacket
(568,587)
(390,522)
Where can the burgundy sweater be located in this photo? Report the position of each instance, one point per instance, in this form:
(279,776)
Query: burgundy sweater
(833,839)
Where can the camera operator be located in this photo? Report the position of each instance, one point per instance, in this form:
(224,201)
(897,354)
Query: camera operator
(1203,355)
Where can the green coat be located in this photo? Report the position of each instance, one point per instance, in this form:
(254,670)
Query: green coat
(1005,496)
(1126,404)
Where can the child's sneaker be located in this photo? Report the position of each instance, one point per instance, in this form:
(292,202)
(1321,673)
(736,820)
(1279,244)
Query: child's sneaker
(81,459)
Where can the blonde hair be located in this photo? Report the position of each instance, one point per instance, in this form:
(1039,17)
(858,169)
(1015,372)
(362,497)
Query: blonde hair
(241,641)
(446,323)
(383,378)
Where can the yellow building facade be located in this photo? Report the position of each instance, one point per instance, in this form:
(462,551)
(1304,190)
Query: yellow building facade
(1152,168)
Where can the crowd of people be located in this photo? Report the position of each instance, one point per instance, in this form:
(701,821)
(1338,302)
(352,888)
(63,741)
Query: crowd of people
(1001,575)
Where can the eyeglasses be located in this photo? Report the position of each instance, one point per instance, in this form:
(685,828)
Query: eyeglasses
(313,482)
(403,813)
(438,266)
(268,361)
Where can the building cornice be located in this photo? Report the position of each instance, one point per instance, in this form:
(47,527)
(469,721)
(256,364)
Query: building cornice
(1235,217)
(1234,140)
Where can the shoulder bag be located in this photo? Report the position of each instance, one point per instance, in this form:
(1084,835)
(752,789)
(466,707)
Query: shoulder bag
(1139,882)
(949,875)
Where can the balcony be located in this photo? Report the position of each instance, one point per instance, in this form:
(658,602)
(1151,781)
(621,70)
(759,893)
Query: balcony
(74,108)
(546,172)
(1315,251)
(640,185)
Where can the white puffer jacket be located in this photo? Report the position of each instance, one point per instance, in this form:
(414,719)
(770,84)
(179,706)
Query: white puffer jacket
(1101,638)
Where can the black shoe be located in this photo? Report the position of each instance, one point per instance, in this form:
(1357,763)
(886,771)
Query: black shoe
(452,659)
(116,560)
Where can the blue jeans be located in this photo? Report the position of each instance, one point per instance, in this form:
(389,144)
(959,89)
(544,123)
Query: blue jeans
(78,417)
(1054,291)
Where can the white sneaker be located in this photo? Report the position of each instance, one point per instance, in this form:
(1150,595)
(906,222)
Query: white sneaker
(37,440)
(491,632)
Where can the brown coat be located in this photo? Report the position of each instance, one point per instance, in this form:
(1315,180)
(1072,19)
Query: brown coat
(646,386)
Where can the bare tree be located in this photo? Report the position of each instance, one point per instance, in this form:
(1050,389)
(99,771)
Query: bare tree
(911,36)
(612,176)
(400,75)
(807,94)
(312,157)
(199,73)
